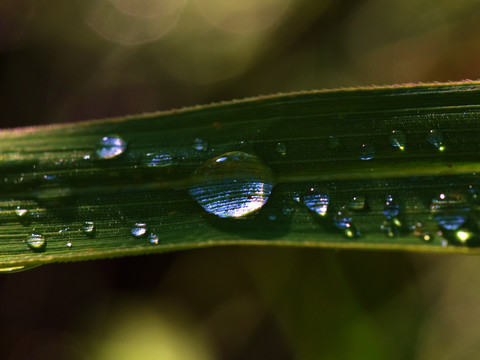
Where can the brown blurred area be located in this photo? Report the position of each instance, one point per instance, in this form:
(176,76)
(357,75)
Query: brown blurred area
(66,61)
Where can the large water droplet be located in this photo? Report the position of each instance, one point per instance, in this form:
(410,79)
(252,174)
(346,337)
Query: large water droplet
(232,185)
(398,139)
(367,152)
(36,242)
(450,211)
(110,147)
(139,230)
(281,148)
(317,202)
(435,138)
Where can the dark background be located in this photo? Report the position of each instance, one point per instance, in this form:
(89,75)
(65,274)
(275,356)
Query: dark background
(67,61)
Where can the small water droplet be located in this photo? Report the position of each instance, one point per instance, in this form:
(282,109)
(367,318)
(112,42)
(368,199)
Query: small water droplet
(139,230)
(20,212)
(296,197)
(68,244)
(392,227)
(232,185)
(157,160)
(281,148)
(36,242)
(200,145)
(153,239)
(367,152)
(422,233)
(357,203)
(343,221)
(398,139)
(391,209)
(317,202)
(435,138)
(450,211)
(89,228)
(110,147)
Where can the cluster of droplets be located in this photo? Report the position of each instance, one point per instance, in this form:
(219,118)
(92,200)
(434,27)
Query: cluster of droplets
(140,230)
(237,184)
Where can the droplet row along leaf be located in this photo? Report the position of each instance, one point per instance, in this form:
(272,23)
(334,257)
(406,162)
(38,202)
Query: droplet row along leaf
(86,188)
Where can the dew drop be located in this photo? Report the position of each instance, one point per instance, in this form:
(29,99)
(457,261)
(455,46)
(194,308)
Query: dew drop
(343,221)
(156,160)
(110,147)
(435,138)
(139,230)
(200,145)
(422,233)
(153,239)
(391,208)
(36,242)
(398,139)
(357,203)
(281,148)
(232,185)
(20,212)
(89,229)
(450,211)
(317,202)
(367,152)
(391,227)
(68,244)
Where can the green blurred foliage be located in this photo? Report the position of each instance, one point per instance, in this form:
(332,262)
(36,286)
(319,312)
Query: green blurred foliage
(64,61)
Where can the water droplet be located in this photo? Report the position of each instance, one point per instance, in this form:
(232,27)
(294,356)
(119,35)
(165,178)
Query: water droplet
(36,242)
(200,145)
(357,203)
(68,244)
(398,139)
(392,227)
(139,230)
(391,209)
(296,197)
(153,239)
(89,228)
(110,147)
(232,185)
(20,212)
(317,202)
(435,138)
(450,211)
(367,152)
(281,148)
(422,233)
(156,160)
(343,221)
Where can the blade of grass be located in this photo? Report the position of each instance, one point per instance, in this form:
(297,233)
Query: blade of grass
(355,147)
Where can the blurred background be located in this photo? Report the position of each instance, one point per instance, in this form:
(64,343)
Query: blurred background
(66,61)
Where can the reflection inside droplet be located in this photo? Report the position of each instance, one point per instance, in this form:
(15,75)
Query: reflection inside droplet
(232,185)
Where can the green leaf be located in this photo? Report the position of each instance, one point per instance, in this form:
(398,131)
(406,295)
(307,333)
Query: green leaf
(373,168)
